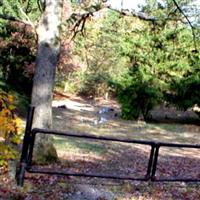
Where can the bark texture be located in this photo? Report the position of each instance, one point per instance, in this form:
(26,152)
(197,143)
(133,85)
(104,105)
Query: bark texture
(48,32)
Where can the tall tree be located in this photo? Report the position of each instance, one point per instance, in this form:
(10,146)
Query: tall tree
(47,31)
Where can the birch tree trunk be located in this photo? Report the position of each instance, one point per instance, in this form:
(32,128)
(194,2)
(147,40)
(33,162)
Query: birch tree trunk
(48,32)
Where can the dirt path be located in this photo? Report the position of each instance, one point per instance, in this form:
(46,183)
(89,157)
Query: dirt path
(103,117)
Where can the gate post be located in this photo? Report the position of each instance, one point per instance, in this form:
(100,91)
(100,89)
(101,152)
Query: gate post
(151,160)
(21,167)
(154,165)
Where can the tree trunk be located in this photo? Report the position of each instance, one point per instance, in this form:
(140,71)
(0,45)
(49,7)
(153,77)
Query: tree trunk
(47,57)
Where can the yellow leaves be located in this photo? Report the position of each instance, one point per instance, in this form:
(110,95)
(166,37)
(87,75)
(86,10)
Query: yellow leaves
(6,153)
(15,139)
(10,98)
(7,123)
(18,123)
(9,128)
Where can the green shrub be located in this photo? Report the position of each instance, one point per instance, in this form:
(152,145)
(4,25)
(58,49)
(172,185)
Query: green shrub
(139,98)
(185,92)
(94,84)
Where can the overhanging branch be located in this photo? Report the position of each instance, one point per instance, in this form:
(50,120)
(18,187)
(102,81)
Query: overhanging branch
(189,22)
(132,13)
(79,19)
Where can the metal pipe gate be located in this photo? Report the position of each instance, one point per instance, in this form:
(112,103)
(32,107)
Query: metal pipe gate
(29,140)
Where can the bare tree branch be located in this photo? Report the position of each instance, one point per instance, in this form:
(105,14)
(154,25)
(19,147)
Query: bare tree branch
(80,24)
(189,22)
(28,19)
(79,19)
(27,6)
(41,5)
(140,15)
(11,18)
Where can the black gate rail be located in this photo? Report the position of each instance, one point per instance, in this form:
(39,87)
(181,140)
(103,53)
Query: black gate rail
(25,164)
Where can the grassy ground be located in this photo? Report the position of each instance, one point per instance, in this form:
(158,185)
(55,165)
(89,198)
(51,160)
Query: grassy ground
(112,158)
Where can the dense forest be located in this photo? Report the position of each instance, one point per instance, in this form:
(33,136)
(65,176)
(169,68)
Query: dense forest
(89,48)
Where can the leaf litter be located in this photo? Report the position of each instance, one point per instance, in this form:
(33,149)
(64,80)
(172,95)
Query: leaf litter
(113,158)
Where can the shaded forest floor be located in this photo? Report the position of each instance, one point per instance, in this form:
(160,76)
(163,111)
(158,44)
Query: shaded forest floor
(101,117)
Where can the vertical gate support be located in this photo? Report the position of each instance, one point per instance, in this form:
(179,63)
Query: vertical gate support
(154,165)
(20,171)
(151,160)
